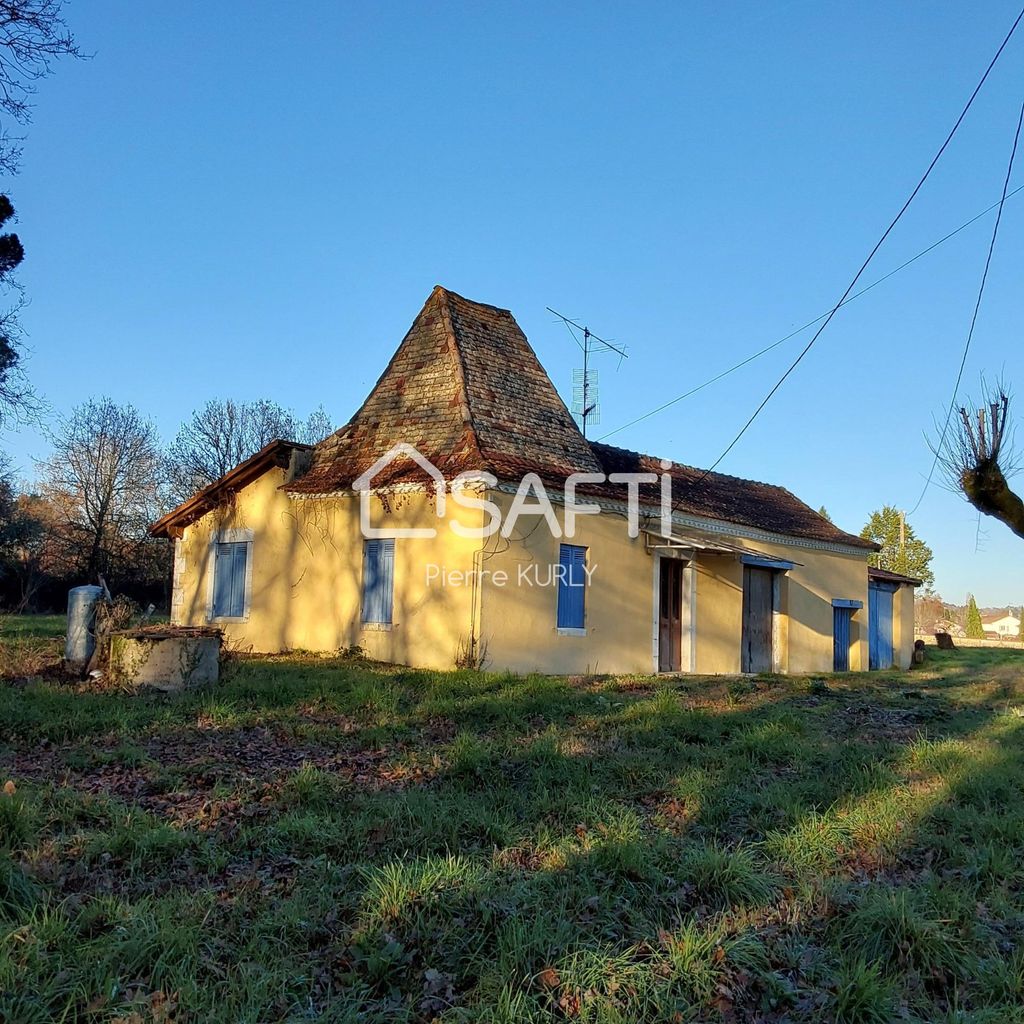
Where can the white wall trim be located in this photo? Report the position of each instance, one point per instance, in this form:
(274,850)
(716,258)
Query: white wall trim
(778,662)
(177,581)
(690,606)
(656,634)
(716,526)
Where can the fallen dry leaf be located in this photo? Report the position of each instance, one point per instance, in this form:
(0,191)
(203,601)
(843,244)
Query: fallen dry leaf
(549,978)
(9,788)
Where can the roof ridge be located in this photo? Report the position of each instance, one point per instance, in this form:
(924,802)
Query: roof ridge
(455,353)
(387,369)
(716,481)
(697,469)
(448,292)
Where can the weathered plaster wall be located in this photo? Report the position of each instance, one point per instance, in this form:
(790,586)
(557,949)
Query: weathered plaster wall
(307,575)
(307,572)
(903,627)
(519,623)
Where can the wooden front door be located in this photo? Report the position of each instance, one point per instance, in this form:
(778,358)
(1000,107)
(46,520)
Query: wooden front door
(670,616)
(841,633)
(758,605)
(880,653)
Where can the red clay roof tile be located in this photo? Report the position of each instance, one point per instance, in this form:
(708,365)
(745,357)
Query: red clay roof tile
(468,392)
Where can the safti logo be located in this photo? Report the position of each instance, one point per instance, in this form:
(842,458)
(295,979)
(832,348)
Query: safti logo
(531,499)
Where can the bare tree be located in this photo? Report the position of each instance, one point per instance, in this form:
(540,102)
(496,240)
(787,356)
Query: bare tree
(33,34)
(977,457)
(18,401)
(21,538)
(224,433)
(102,483)
(317,426)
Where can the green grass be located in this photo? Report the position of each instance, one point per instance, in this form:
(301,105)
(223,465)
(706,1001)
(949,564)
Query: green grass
(40,626)
(322,839)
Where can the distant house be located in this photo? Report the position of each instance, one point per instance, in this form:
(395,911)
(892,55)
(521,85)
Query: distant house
(712,574)
(1005,627)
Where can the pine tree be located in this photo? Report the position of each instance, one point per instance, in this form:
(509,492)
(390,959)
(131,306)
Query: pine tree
(974,629)
(902,550)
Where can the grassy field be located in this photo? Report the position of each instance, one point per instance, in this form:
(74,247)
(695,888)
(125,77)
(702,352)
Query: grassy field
(22,627)
(329,840)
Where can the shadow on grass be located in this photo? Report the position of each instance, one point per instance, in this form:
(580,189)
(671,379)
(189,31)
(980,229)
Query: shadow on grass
(522,847)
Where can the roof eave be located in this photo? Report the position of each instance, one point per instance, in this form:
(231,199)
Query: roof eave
(893,577)
(173,523)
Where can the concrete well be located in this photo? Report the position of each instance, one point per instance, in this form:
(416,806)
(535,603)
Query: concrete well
(166,659)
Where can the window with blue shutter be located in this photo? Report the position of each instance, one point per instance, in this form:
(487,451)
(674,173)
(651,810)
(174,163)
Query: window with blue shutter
(572,582)
(378,580)
(229,580)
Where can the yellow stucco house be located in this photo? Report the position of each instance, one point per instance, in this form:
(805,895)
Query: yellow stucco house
(411,533)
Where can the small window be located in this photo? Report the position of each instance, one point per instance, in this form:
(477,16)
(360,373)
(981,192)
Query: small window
(572,581)
(378,580)
(229,570)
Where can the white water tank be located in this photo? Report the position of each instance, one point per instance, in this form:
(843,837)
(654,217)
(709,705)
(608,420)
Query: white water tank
(81,641)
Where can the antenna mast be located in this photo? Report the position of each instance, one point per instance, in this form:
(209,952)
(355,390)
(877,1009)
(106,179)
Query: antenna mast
(585,405)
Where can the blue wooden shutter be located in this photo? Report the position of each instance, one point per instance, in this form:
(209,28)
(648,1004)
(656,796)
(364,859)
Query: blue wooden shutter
(229,580)
(370,580)
(238,579)
(221,580)
(571,586)
(378,580)
(387,579)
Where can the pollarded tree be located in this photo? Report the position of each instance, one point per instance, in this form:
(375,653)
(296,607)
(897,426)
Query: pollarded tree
(978,459)
(224,433)
(102,484)
(973,627)
(902,551)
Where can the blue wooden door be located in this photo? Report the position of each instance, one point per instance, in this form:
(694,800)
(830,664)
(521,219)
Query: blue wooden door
(841,639)
(879,626)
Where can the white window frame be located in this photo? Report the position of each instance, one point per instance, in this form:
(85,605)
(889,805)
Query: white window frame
(232,536)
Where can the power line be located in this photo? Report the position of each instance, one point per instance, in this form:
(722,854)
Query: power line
(810,323)
(871,255)
(974,316)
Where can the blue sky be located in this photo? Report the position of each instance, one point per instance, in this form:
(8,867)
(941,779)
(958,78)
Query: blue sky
(255,199)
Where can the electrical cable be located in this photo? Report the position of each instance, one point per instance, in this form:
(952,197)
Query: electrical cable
(871,255)
(810,323)
(974,316)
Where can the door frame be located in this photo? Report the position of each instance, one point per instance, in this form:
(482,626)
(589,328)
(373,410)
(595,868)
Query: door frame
(779,569)
(850,607)
(688,612)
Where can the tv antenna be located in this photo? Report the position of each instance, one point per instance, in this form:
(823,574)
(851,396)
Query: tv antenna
(585,405)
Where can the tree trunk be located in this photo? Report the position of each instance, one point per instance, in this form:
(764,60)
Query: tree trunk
(987,490)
